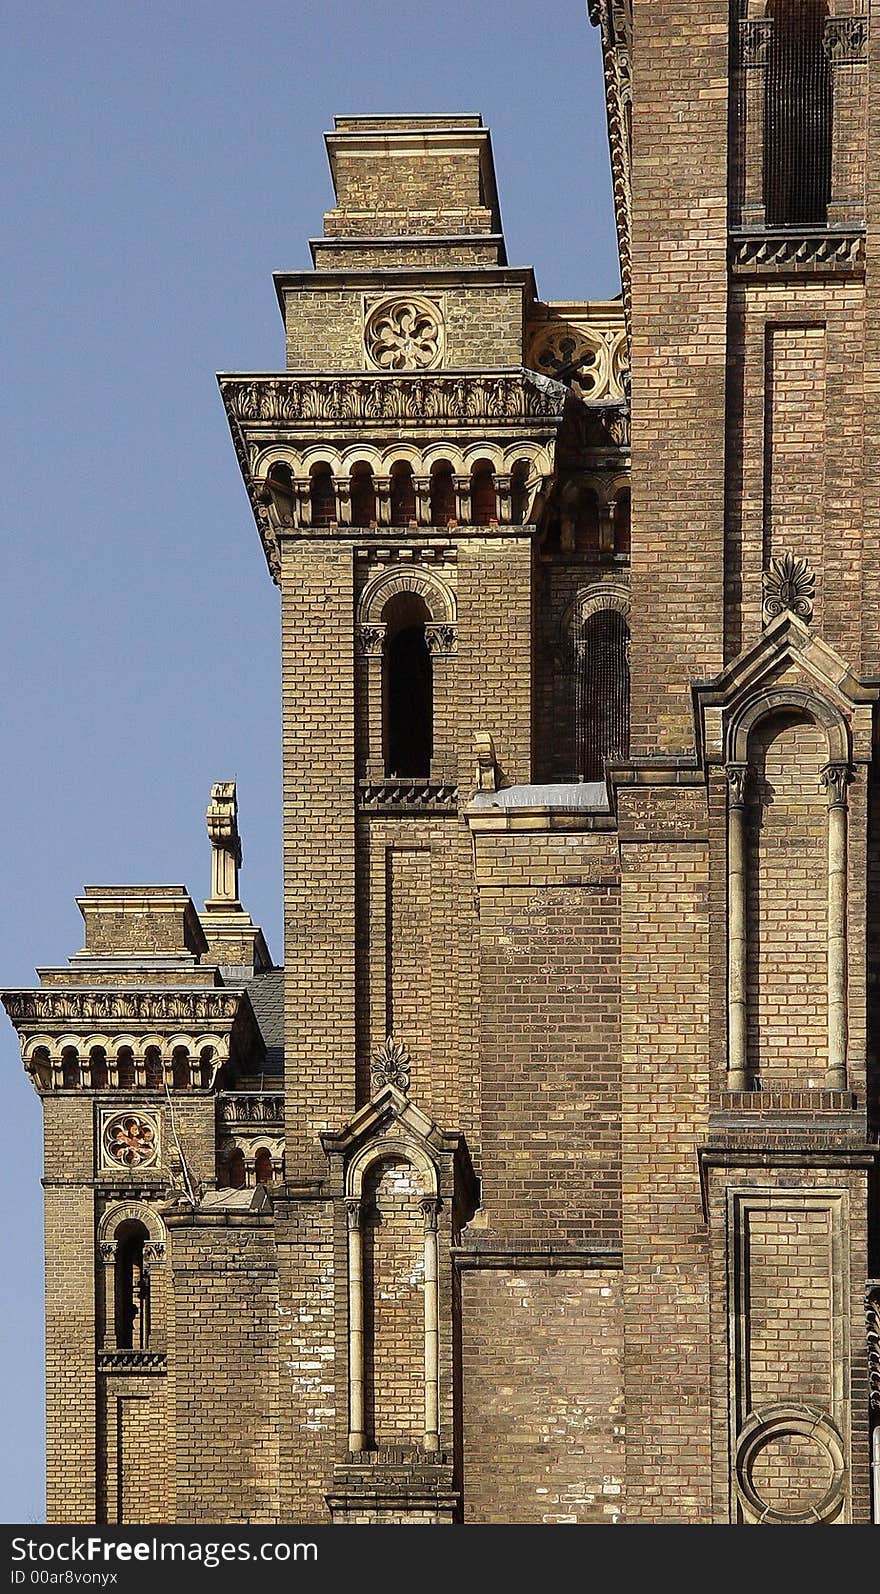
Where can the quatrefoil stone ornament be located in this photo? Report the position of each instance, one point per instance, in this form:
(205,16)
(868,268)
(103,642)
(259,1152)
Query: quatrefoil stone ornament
(403,334)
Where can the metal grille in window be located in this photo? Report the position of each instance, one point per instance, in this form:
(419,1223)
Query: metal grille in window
(798,116)
(602,692)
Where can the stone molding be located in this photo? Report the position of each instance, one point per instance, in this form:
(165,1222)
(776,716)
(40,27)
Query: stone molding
(768,253)
(509,397)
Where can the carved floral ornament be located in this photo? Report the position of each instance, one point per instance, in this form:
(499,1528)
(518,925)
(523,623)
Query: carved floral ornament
(283,400)
(403,334)
(130,1140)
(789,585)
(390,1064)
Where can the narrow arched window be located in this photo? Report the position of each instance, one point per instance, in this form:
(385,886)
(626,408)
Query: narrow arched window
(98,1068)
(363,497)
(443,505)
(131,1288)
(622,524)
(586,523)
(125,1068)
(180,1070)
(408,688)
(602,692)
(236,1172)
(322,496)
(263,1170)
(280,485)
(70,1072)
(403,494)
(519,493)
(154,1069)
(484,504)
(798,116)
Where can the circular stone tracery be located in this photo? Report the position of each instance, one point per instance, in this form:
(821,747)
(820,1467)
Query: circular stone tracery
(404,335)
(790,1466)
(130,1140)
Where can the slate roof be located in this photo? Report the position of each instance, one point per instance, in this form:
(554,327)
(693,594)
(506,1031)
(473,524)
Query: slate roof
(266,992)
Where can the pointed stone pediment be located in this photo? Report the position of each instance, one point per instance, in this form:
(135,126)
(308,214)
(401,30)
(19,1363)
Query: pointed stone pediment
(388,1124)
(787,667)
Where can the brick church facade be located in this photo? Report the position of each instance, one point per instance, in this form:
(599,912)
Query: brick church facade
(540,1186)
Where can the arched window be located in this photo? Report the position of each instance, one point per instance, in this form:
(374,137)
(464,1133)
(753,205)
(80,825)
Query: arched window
(408,688)
(484,505)
(263,1170)
(443,505)
(393,1304)
(363,496)
(798,116)
(125,1068)
(154,1069)
(236,1173)
(622,520)
(322,496)
(131,1288)
(403,494)
(519,492)
(586,523)
(98,1068)
(180,1072)
(70,1072)
(602,692)
(280,485)
(207,1066)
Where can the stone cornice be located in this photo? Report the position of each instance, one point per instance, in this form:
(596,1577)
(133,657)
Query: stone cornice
(491,400)
(72,1008)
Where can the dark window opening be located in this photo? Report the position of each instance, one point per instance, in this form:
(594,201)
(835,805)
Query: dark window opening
(602,692)
(70,1075)
(484,507)
(131,1289)
(408,689)
(125,1067)
(280,484)
(622,525)
(154,1068)
(180,1071)
(322,496)
(363,497)
(519,494)
(403,495)
(236,1173)
(263,1166)
(443,505)
(798,116)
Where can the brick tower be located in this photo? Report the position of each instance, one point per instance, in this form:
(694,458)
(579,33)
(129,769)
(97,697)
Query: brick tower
(540,1185)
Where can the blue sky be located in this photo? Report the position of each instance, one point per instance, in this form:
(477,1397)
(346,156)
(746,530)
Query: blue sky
(161,160)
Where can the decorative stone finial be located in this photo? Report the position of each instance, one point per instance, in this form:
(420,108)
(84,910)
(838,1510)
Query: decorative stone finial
(222,818)
(789,584)
(391,1064)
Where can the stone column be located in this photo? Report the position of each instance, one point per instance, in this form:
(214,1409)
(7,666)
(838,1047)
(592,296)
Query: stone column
(737,942)
(422,486)
(835,778)
(846,46)
(382,489)
(430,1208)
(370,645)
(441,642)
(357,1439)
(462,485)
(754,51)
